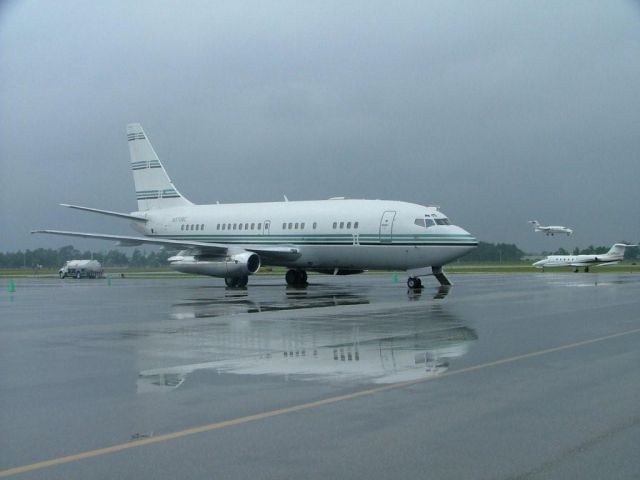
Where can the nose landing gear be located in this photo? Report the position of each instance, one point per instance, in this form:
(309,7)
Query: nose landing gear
(414,283)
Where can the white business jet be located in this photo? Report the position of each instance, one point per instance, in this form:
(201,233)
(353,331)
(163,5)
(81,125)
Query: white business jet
(231,241)
(550,229)
(614,255)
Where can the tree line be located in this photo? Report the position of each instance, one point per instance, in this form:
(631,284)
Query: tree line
(55,258)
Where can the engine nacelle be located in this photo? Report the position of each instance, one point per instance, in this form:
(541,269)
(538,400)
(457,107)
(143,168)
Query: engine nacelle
(224,266)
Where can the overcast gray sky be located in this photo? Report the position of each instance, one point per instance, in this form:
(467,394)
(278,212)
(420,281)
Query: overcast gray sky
(499,112)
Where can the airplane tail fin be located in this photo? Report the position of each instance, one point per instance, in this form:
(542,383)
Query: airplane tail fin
(154,188)
(618,249)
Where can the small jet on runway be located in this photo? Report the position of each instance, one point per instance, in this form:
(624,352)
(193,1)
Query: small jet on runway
(550,229)
(614,255)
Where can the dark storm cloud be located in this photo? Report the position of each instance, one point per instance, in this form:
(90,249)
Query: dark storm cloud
(499,112)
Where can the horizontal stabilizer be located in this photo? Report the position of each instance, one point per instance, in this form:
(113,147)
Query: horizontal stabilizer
(106,212)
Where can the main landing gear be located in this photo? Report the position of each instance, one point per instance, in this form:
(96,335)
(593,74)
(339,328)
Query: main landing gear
(236,282)
(414,283)
(296,278)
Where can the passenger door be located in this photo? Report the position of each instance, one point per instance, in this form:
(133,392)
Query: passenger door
(386,226)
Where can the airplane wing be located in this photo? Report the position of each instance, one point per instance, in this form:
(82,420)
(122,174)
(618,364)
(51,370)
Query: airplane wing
(267,251)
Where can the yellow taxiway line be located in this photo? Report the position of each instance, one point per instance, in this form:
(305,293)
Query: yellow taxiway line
(295,408)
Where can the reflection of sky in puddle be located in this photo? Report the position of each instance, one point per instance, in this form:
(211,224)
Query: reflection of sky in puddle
(583,280)
(353,341)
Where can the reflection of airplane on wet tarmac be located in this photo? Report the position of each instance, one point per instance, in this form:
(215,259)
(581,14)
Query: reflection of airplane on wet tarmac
(550,229)
(237,302)
(232,241)
(382,349)
(614,255)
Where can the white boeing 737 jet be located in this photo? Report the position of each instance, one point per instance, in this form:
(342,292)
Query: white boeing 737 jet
(231,241)
(550,229)
(614,255)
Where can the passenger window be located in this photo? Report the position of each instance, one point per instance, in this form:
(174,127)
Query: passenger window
(284,226)
(355,225)
(218,227)
(246,226)
(335,225)
(202,227)
(240,227)
(341,225)
(315,224)
(302,226)
(235,225)
(181,227)
(197,227)
(228,226)
(290,225)
(224,225)
(253,226)
(260,226)
(296,225)
(348,224)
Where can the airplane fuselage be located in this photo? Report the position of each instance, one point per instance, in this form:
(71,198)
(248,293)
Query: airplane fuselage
(343,233)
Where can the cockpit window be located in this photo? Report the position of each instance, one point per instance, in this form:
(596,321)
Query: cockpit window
(425,222)
(442,221)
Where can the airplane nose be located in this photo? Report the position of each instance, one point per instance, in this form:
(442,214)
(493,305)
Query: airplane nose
(462,231)
(470,242)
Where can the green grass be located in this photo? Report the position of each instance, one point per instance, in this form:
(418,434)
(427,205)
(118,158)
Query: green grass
(456,268)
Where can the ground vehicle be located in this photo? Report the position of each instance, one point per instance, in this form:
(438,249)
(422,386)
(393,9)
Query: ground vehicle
(81,269)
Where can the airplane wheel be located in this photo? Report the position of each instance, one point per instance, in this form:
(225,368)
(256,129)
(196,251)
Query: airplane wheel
(291,277)
(230,282)
(243,281)
(296,278)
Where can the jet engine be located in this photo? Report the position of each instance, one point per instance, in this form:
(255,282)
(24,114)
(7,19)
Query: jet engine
(233,265)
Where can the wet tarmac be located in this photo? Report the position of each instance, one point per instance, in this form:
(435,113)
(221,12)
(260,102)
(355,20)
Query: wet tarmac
(501,376)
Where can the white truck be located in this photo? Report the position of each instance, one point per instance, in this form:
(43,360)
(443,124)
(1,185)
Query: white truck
(81,269)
